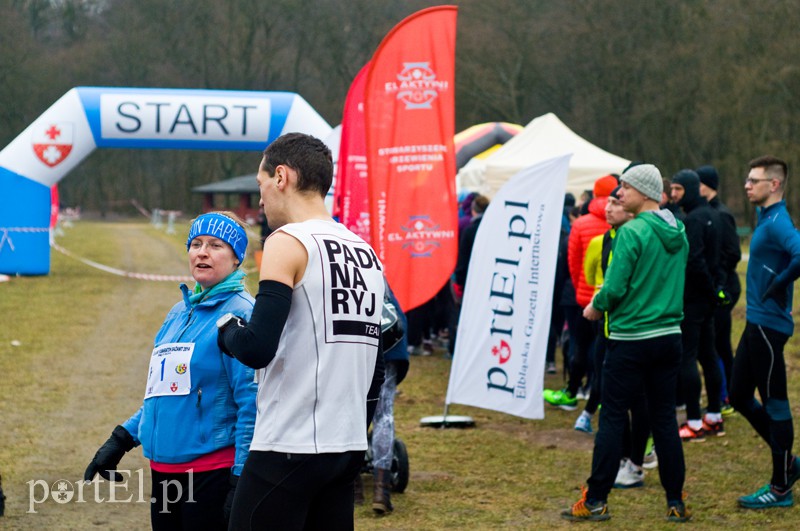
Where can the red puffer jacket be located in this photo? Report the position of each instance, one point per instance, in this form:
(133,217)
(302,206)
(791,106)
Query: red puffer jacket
(583,230)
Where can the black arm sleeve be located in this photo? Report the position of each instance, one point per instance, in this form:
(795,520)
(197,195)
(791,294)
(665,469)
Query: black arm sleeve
(255,344)
(377,381)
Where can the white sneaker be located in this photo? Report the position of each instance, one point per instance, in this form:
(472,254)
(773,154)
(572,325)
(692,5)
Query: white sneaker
(584,424)
(650,460)
(629,476)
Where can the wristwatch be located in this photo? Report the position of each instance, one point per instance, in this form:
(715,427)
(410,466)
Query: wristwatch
(223,321)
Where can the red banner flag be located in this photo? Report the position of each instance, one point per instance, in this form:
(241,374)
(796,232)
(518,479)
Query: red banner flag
(410,123)
(53,206)
(351,198)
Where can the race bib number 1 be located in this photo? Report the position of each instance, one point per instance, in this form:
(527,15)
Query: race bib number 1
(169,370)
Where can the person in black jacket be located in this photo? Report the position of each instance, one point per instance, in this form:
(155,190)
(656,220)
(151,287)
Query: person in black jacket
(558,317)
(700,300)
(467,239)
(729,287)
(465,243)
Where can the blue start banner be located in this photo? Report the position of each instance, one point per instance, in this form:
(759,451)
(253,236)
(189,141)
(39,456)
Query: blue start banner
(87,118)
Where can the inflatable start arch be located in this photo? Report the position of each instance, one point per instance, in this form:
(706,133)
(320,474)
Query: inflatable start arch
(86,118)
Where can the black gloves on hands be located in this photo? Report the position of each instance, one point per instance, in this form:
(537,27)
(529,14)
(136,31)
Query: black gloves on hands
(107,458)
(226,509)
(723,298)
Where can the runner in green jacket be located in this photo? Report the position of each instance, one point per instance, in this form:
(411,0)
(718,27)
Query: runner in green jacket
(655,310)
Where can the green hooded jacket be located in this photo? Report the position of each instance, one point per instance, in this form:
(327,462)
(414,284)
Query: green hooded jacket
(643,287)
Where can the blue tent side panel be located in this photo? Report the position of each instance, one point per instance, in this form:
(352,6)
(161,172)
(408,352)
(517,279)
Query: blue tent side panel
(24,225)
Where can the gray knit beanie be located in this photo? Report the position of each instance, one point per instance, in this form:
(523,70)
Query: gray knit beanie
(647,179)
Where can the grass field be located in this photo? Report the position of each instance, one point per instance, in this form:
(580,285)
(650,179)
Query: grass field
(84,338)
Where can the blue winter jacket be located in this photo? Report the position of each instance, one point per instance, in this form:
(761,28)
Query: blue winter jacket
(774,259)
(220,409)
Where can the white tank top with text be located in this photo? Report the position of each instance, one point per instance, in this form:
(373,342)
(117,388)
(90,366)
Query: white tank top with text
(312,396)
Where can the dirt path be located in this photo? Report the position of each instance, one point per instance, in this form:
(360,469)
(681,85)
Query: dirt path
(79,391)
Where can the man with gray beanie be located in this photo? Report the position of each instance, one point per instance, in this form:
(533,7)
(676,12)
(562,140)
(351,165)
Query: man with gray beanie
(643,295)
(728,286)
(699,302)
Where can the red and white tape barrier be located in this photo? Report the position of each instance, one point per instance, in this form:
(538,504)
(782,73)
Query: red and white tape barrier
(120,272)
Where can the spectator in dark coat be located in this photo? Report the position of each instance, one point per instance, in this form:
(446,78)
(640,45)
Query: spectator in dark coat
(728,286)
(700,299)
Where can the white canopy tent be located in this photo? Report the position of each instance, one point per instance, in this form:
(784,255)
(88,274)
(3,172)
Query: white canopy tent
(543,138)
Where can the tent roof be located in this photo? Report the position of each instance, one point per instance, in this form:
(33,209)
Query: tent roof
(236,185)
(543,138)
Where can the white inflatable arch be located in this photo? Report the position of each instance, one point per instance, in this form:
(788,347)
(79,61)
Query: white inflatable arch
(86,118)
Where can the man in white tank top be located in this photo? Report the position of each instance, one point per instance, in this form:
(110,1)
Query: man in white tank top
(314,337)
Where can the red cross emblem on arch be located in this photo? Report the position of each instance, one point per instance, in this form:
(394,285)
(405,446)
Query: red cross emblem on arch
(52,142)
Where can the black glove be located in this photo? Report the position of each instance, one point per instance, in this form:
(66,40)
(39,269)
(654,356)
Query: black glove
(107,458)
(234,321)
(723,298)
(226,509)
(776,292)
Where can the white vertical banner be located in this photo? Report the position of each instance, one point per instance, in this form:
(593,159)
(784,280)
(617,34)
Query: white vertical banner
(505,314)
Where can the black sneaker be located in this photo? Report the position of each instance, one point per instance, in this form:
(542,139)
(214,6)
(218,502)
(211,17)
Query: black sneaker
(677,512)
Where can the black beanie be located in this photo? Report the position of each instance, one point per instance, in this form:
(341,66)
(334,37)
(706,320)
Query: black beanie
(708,176)
(691,186)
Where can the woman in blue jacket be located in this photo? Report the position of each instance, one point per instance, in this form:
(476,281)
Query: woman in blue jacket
(196,422)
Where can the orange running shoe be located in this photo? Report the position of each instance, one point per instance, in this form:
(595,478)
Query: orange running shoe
(583,510)
(716,429)
(688,434)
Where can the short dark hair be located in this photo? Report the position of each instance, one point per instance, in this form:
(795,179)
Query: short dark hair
(480,203)
(774,167)
(306,155)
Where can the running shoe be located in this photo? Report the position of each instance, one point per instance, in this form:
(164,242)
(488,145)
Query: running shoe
(427,347)
(650,460)
(678,512)
(727,410)
(583,392)
(629,476)
(551,367)
(688,434)
(584,424)
(584,510)
(419,350)
(716,429)
(561,398)
(765,498)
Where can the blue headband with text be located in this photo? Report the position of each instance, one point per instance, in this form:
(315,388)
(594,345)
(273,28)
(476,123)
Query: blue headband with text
(222,227)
